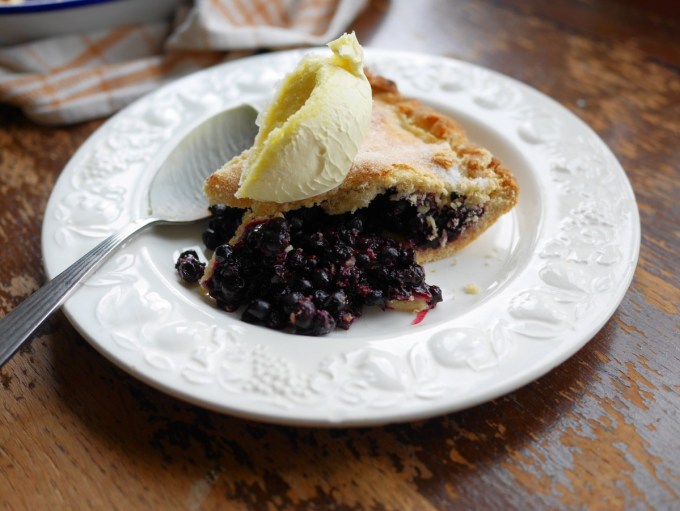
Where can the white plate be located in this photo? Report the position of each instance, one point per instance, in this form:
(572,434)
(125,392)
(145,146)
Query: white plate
(550,273)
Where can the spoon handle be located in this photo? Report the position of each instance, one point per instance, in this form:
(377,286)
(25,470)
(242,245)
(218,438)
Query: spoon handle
(17,326)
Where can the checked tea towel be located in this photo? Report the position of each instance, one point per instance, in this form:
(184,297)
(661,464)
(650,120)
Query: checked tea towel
(78,77)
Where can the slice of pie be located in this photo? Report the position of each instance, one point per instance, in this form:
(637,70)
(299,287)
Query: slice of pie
(418,190)
(429,185)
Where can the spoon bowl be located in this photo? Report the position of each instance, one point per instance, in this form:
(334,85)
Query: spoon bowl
(174,195)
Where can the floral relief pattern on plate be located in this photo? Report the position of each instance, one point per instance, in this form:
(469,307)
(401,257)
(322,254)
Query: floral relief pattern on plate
(545,292)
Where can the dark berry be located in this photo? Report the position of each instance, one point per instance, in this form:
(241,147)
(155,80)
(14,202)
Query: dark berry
(311,262)
(407,256)
(211,238)
(321,324)
(296,259)
(278,280)
(275,236)
(389,255)
(224,253)
(315,243)
(375,297)
(436,293)
(303,315)
(336,302)
(355,223)
(257,311)
(189,267)
(362,260)
(277,320)
(290,300)
(301,284)
(320,297)
(296,224)
(320,278)
(341,252)
(253,237)
(222,225)
(411,277)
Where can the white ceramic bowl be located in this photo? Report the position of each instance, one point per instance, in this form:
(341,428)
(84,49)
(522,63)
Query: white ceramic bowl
(26,20)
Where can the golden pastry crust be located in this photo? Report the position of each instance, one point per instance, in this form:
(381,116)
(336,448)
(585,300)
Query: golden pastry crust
(411,149)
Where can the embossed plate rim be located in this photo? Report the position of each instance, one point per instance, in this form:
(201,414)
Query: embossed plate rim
(430,370)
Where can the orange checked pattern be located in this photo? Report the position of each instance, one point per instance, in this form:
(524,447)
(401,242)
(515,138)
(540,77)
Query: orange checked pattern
(85,76)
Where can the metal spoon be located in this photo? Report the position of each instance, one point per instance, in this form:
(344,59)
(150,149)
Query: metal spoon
(175,196)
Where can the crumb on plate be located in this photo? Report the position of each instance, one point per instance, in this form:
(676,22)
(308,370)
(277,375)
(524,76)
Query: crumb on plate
(472,289)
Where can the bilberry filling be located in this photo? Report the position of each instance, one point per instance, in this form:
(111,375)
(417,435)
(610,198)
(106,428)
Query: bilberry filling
(312,272)
(421,221)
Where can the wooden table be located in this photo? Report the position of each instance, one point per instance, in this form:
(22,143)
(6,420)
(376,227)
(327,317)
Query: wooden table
(602,431)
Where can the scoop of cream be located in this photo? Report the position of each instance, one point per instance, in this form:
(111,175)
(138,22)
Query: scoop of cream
(312,130)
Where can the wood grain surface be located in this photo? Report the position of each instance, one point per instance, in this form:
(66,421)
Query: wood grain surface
(601,431)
